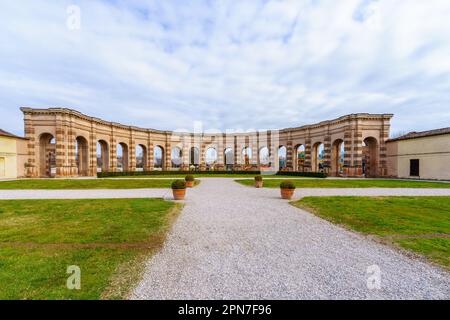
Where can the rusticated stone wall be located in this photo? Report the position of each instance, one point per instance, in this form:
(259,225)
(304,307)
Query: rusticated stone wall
(361,134)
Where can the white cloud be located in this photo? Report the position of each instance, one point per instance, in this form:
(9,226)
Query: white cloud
(230,64)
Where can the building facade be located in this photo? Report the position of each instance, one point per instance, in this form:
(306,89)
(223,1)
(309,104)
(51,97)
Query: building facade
(67,143)
(420,155)
(13,155)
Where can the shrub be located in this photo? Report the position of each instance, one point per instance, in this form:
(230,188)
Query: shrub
(259,178)
(189,177)
(170,172)
(179,184)
(287,185)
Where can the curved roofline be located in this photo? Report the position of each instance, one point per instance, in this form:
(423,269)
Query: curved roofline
(76,113)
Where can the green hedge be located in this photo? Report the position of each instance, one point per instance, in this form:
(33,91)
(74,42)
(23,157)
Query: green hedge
(303,174)
(172,172)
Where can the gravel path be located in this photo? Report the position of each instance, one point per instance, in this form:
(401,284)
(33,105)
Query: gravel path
(236,242)
(85,194)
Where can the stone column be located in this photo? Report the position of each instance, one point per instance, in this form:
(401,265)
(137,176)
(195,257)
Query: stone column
(31,169)
(353,136)
(384,135)
(289,156)
(220,152)
(347,151)
(168,155)
(93,150)
(308,155)
(150,155)
(112,152)
(61,145)
(132,152)
(185,153)
(202,156)
(327,153)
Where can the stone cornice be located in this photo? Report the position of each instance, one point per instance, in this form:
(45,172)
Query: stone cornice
(70,112)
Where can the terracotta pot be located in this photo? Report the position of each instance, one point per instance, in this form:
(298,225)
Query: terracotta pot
(287,193)
(189,184)
(179,194)
(259,184)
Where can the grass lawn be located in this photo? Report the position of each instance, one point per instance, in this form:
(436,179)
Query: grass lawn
(108,239)
(55,184)
(349,183)
(421,224)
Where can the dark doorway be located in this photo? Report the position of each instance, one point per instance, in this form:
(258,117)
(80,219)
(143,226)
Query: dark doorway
(414,168)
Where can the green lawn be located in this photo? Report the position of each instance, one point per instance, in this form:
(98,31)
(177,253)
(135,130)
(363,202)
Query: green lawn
(349,183)
(421,224)
(108,239)
(85,184)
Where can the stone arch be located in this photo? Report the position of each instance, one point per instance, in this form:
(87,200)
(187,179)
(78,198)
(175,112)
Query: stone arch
(102,156)
(317,157)
(299,157)
(264,157)
(158,157)
(176,157)
(211,157)
(246,156)
(82,156)
(228,154)
(47,155)
(282,157)
(194,157)
(370,157)
(337,157)
(141,157)
(122,157)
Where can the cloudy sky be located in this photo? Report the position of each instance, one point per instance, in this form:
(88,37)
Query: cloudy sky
(231,64)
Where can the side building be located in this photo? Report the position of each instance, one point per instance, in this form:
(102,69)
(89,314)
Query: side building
(420,155)
(13,155)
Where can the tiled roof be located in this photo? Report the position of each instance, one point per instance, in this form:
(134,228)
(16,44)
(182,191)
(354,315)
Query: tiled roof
(4,133)
(414,135)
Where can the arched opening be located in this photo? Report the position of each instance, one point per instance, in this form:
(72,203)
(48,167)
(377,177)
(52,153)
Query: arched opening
(211,158)
(370,157)
(158,157)
(300,158)
(176,157)
(246,156)
(282,157)
(82,156)
(141,157)
(194,158)
(337,157)
(264,157)
(317,157)
(229,158)
(47,155)
(122,157)
(102,156)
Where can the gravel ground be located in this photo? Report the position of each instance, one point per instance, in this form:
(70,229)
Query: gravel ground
(85,194)
(236,242)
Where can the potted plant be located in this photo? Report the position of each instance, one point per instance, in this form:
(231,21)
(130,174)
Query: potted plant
(179,189)
(189,180)
(287,189)
(258,181)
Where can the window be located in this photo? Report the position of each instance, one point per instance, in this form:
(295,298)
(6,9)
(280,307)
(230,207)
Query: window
(414,167)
